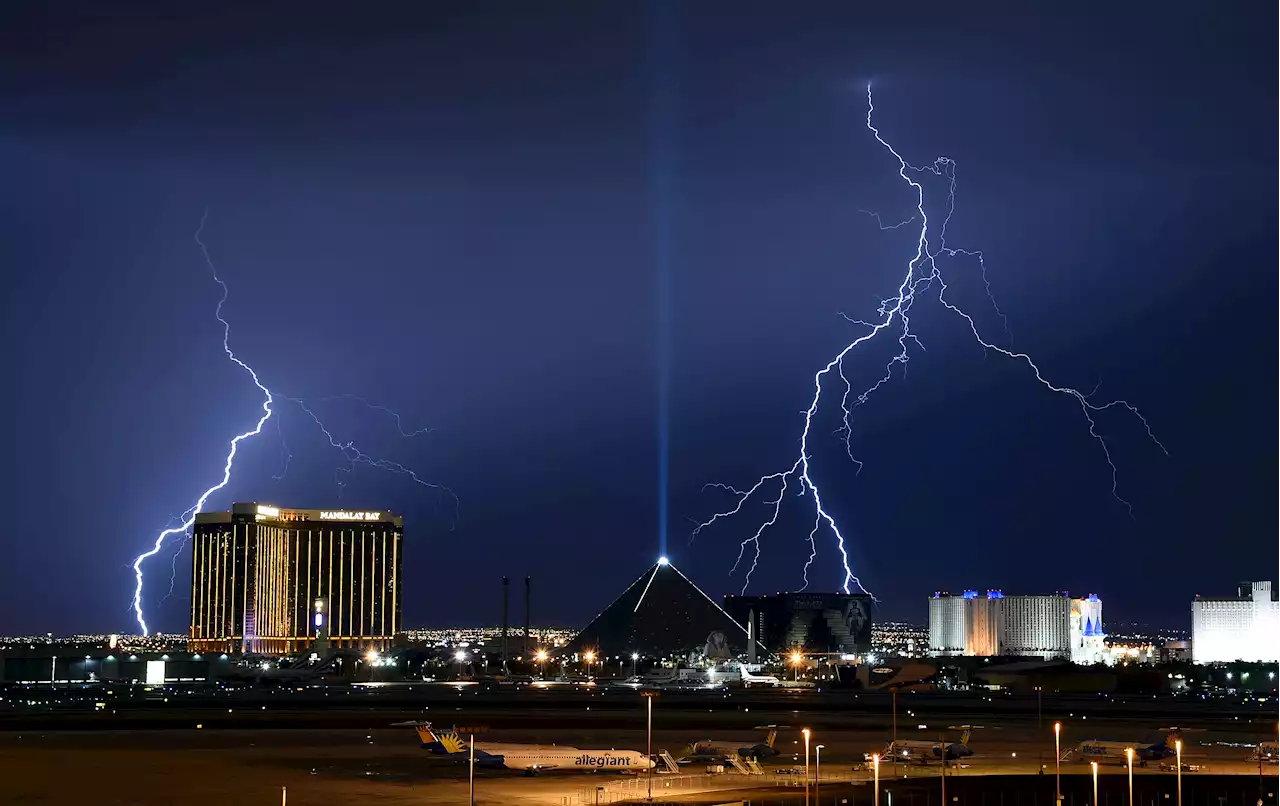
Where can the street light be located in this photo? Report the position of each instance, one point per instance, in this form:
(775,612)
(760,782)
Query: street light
(875,771)
(1057,760)
(648,707)
(635,656)
(796,658)
(541,657)
(460,656)
(806,759)
(817,763)
(1128,755)
(1177,745)
(1094,766)
(590,658)
(1039,720)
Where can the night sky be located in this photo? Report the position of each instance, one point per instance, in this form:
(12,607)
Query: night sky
(497,218)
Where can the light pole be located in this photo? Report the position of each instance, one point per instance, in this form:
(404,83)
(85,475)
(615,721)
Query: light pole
(795,666)
(590,658)
(1177,746)
(541,657)
(1094,767)
(635,656)
(806,764)
(1057,761)
(460,656)
(875,772)
(471,774)
(943,743)
(1128,755)
(648,697)
(893,744)
(1039,723)
(817,772)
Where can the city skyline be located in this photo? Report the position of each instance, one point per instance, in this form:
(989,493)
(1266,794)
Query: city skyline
(656,266)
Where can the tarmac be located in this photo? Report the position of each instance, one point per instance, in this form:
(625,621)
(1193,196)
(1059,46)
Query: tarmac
(335,746)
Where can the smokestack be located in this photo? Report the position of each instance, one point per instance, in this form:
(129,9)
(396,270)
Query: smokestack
(526,652)
(751,636)
(506,606)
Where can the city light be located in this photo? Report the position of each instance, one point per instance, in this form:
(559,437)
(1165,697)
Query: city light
(663,561)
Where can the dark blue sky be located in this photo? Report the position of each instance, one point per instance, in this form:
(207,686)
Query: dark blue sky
(450,210)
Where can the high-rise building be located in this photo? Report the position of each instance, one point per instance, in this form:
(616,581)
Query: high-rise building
(272,580)
(810,622)
(1242,627)
(946,623)
(995,624)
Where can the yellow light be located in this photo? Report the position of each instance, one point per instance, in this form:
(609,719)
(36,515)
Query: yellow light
(589,657)
(1057,728)
(795,658)
(542,655)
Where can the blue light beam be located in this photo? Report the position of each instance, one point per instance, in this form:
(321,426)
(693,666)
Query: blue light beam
(894,313)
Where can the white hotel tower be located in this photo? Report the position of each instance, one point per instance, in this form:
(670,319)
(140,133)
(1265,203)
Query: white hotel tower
(1243,627)
(1049,626)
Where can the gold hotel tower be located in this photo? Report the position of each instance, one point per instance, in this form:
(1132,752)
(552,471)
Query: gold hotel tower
(259,573)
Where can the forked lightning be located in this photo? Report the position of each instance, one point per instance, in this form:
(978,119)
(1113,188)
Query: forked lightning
(894,313)
(349,450)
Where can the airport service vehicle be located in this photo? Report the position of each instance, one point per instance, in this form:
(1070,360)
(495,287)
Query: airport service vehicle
(1104,751)
(711,750)
(528,758)
(922,752)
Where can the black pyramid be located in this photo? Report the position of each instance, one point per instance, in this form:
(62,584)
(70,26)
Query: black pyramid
(661,615)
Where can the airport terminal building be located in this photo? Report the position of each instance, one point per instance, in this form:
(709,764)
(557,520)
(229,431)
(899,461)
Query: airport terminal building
(271,580)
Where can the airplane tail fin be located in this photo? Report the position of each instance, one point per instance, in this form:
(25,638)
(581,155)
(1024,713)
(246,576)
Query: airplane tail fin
(966,732)
(771,737)
(451,741)
(425,734)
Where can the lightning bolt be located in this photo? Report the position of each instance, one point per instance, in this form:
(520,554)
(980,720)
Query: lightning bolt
(894,315)
(189,517)
(353,454)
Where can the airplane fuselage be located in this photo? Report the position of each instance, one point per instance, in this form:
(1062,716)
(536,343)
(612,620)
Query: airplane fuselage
(534,759)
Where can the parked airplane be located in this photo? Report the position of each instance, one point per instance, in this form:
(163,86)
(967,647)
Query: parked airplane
(529,758)
(1102,751)
(749,679)
(711,751)
(923,752)
(266,674)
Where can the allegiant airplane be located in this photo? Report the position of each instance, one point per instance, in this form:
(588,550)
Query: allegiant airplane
(528,758)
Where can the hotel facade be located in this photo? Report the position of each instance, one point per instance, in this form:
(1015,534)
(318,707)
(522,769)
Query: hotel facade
(270,580)
(988,624)
(1241,627)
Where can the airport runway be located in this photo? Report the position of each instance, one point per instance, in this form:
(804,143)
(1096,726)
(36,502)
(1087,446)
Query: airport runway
(335,746)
